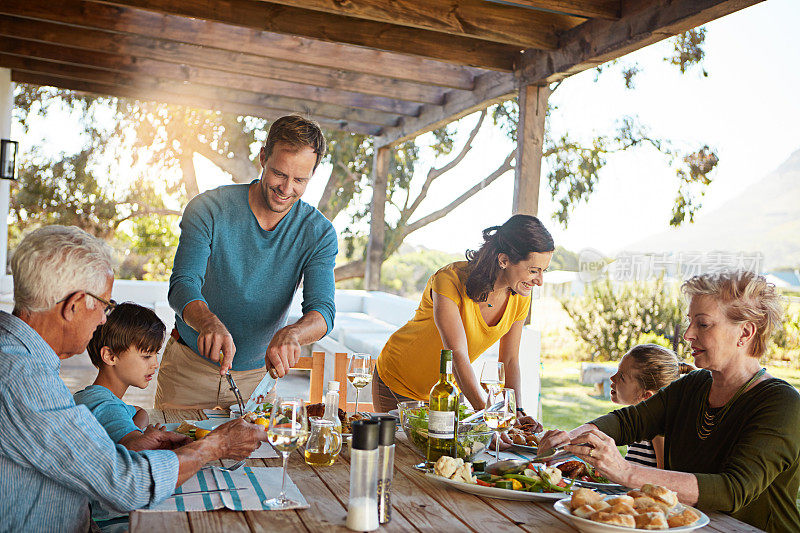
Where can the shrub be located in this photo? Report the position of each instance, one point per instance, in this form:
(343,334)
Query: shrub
(612,318)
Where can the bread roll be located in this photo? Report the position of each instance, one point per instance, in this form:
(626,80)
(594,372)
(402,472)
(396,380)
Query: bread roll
(686,517)
(602,505)
(651,521)
(643,501)
(620,499)
(636,493)
(662,494)
(653,509)
(584,511)
(622,508)
(622,520)
(584,496)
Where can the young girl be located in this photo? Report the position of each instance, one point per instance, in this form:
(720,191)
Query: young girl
(644,370)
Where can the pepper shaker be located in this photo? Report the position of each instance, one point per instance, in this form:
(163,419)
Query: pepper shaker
(387,426)
(362,507)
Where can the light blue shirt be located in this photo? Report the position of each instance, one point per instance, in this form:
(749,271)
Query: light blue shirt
(54,455)
(246,275)
(114,415)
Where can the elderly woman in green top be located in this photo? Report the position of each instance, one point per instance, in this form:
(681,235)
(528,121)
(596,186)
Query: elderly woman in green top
(731,431)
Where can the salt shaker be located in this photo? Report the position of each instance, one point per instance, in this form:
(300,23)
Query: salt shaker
(362,507)
(387,426)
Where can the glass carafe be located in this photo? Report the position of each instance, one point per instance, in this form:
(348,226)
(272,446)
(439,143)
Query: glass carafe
(323,444)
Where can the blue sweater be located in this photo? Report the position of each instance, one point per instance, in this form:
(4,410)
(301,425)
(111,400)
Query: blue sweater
(246,275)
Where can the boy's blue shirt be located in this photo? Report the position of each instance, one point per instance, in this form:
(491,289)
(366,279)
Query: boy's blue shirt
(114,415)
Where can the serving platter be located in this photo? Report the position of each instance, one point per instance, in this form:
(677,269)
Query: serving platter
(494,492)
(588,526)
(210,424)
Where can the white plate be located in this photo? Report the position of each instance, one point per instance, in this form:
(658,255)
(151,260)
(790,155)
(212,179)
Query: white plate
(210,424)
(587,526)
(493,492)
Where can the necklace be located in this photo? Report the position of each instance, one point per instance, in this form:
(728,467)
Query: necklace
(708,416)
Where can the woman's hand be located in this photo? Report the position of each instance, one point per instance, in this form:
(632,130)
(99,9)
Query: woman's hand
(600,451)
(505,442)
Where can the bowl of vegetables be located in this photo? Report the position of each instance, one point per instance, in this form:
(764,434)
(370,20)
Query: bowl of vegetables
(473,437)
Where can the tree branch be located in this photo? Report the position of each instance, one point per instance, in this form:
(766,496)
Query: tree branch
(434,173)
(325,207)
(353,269)
(436,215)
(240,168)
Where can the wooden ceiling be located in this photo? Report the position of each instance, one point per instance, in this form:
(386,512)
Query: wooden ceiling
(387,68)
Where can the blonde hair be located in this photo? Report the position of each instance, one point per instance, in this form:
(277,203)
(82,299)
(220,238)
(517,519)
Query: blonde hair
(656,366)
(744,297)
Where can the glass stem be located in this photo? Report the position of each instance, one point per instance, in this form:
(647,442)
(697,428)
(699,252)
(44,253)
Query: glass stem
(355,410)
(283,483)
(497,444)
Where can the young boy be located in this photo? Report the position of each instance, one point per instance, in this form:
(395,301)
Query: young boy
(124,349)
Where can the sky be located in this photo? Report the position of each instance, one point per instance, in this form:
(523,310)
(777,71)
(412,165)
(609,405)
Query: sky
(747,109)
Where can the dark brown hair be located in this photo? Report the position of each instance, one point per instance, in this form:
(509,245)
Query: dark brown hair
(128,326)
(517,238)
(297,132)
(656,366)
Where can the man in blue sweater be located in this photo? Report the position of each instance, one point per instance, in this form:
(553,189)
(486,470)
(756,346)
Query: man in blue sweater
(243,251)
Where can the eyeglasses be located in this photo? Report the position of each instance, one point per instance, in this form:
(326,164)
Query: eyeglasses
(110,304)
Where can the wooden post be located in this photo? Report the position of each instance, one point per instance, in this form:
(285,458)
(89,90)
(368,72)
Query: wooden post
(375,247)
(530,140)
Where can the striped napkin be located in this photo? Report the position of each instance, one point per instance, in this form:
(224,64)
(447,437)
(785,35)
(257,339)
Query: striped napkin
(261,484)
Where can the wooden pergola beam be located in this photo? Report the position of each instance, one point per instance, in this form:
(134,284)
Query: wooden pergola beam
(207,92)
(245,40)
(601,9)
(489,89)
(213,58)
(468,18)
(323,26)
(598,41)
(20,76)
(150,68)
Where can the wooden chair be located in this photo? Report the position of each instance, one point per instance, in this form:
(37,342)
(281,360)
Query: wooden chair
(340,364)
(315,363)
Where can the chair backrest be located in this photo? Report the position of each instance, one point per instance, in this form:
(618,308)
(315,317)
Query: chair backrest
(315,363)
(341,362)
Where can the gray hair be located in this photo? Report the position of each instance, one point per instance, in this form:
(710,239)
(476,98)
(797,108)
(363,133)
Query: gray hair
(54,262)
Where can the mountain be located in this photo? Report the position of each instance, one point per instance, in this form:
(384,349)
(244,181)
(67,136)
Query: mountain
(764,218)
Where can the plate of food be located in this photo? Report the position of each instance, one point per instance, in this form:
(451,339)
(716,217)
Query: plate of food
(535,483)
(585,475)
(318,409)
(190,427)
(524,438)
(651,507)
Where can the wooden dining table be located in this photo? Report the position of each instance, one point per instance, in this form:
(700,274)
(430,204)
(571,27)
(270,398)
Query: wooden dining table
(418,503)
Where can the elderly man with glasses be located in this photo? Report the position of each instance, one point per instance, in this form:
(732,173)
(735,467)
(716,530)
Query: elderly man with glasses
(54,455)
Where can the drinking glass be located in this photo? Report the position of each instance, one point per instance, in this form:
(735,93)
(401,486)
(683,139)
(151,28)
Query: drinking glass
(500,417)
(287,430)
(323,444)
(360,372)
(493,377)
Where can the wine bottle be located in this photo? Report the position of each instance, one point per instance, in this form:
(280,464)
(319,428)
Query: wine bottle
(443,412)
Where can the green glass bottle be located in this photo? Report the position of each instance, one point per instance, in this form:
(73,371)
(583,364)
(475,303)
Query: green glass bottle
(443,412)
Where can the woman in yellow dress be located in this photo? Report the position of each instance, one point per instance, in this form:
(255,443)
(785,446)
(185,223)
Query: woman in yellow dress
(466,307)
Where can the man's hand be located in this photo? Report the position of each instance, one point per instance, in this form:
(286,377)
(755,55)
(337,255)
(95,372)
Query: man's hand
(236,439)
(283,351)
(214,340)
(154,438)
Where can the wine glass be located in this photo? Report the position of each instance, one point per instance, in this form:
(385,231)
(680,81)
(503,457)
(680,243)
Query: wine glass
(500,417)
(287,431)
(493,376)
(360,373)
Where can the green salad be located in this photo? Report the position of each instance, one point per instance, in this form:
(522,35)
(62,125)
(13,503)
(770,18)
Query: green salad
(473,438)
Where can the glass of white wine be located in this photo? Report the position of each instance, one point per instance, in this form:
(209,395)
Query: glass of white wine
(360,373)
(493,377)
(500,417)
(288,429)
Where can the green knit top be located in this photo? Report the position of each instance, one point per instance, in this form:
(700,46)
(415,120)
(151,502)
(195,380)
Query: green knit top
(749,467)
